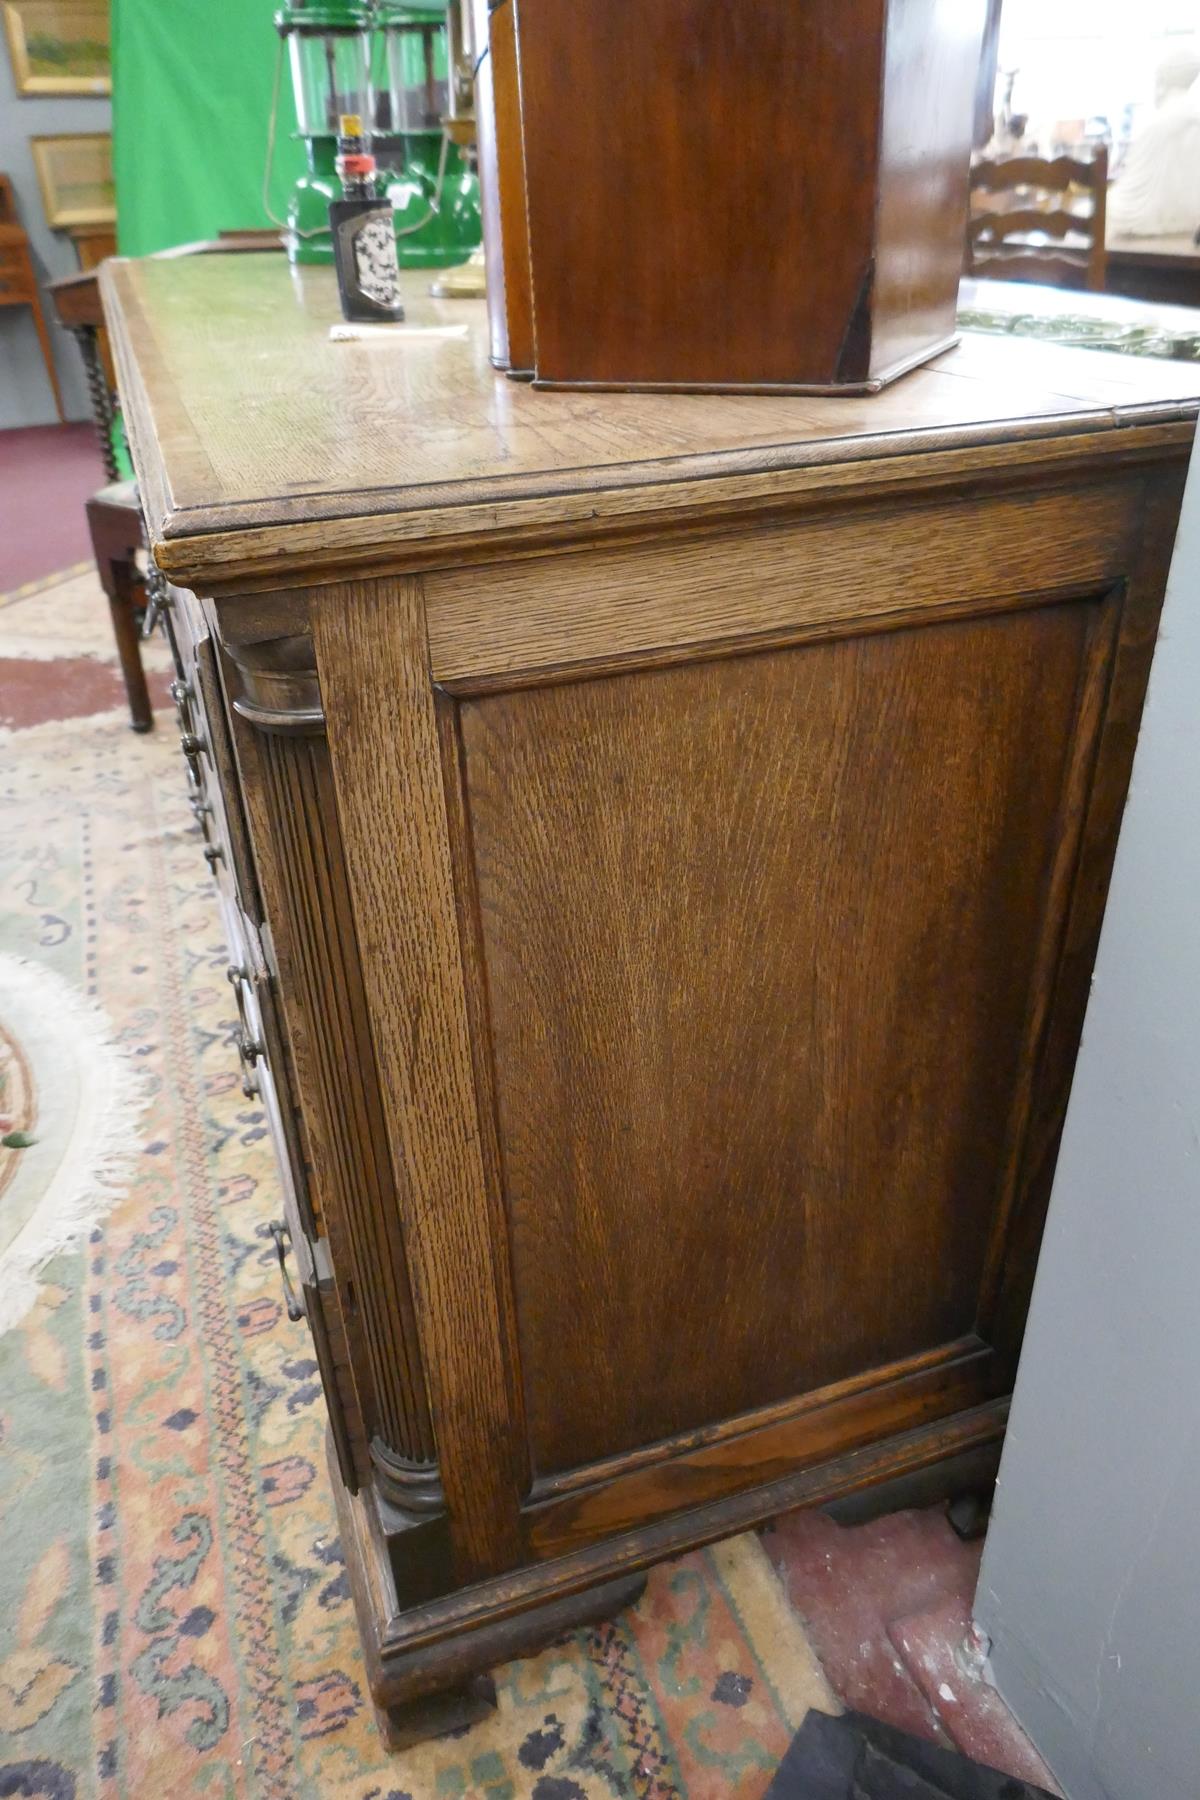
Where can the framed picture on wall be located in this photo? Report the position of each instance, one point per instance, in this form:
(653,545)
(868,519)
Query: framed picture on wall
(76,178)
(59,46)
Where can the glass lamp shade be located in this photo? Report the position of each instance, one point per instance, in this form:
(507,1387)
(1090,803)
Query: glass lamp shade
(330,53)
(410,70)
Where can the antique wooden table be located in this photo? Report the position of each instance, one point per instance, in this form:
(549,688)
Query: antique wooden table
(663,842)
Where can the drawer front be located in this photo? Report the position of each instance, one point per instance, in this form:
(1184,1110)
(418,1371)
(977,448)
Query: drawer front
(260,1052)
(258,1040)
(212,775)
(16,276)
(216,803)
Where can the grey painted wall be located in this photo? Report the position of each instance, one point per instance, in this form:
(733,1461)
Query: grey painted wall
(25,394)
(1090,1584)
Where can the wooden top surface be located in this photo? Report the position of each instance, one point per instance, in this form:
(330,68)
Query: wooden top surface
(1178,251)
(259,444)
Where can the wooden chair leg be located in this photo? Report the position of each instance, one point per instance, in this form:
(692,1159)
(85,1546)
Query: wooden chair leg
(114,543)
(39,320)
(129,645)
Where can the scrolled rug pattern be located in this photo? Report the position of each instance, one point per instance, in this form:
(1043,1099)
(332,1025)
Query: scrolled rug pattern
(174,1611)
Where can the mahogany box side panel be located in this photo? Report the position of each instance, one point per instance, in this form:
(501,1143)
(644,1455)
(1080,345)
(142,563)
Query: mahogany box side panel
(745,196)
(932,55)
(684,162)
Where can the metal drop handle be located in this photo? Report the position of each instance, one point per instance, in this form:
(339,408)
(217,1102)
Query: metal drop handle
(158,600)
(282,1238)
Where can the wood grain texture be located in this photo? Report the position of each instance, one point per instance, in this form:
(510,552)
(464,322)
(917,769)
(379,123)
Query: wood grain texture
(721,905)
(250,561)
(404,1679)
(404,1641)
(931,62)
(370,644)
(683,929)
(803,1436)
(1137,632)
(1095,673)
(346,1119)
(536,619)
(782,1415)
(475,996)
(631,115)
(263,449)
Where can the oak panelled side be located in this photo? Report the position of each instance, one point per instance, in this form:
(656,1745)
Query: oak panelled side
(720,906)
(709,998)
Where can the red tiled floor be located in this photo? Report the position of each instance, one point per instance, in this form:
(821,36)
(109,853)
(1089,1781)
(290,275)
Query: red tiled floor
(886,1604)
(848,1583)
(46,474)
(931,1644)
(31,692)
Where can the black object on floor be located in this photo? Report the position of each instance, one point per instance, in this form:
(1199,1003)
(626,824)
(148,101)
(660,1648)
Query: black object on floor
(857,1758)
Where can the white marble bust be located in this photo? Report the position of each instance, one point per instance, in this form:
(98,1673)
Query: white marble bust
(1157,193)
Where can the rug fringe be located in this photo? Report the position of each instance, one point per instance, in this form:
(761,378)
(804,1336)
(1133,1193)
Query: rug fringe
(102,1150)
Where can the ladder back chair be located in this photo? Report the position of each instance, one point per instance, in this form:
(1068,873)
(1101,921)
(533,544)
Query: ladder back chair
(1040,219)
(114,512)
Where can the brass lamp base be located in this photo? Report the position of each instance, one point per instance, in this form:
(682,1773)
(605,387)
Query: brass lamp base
(466,281)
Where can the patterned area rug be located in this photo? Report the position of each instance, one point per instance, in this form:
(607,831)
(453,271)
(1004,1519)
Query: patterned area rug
(174,1612)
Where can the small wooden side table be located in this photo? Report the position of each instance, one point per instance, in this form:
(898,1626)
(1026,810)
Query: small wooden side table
(18,280)
(93,243)
(1155,268)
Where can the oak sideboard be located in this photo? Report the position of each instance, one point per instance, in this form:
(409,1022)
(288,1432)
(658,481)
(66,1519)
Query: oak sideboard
(663,841)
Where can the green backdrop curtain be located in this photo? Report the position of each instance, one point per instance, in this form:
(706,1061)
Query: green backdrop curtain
(192,84)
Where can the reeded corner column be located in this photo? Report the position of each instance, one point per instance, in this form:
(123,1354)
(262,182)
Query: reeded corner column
(297,832)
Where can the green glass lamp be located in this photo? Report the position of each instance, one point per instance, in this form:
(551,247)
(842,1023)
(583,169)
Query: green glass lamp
(430,179)
(329,55)
(390,63)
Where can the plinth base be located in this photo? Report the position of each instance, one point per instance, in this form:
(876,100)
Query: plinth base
(427,1669)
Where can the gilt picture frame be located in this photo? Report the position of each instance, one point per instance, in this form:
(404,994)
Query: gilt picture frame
(59,46)
(75,175)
